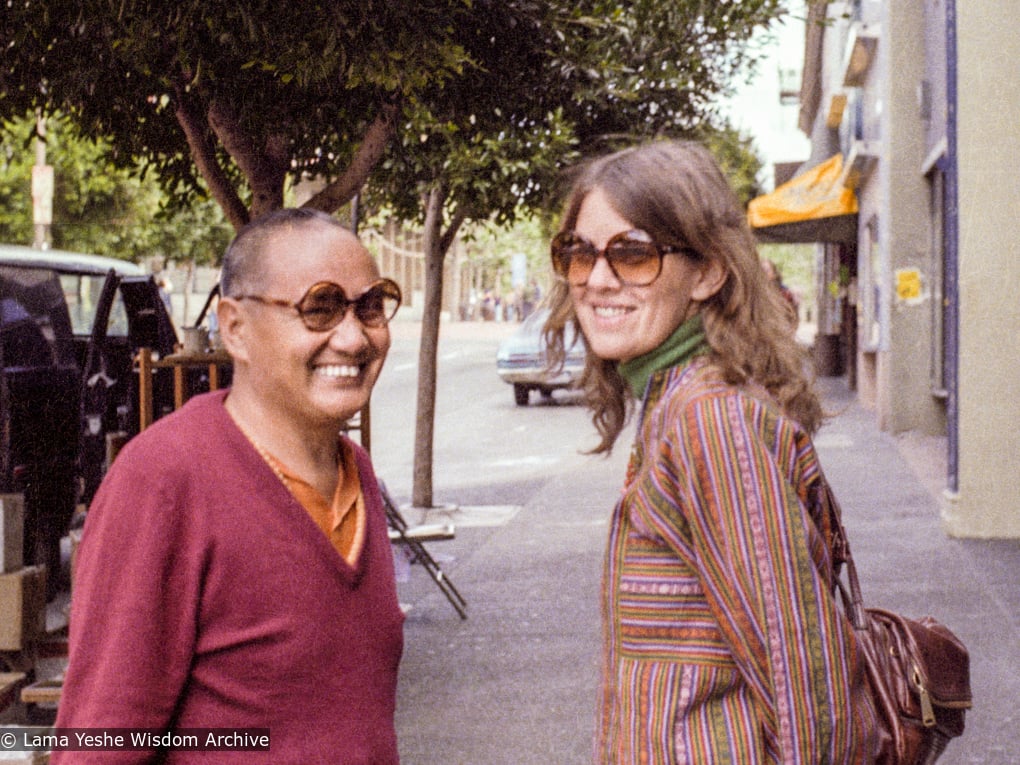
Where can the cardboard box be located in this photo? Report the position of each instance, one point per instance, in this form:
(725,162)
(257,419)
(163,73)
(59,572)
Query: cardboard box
(22,607)
(12,532)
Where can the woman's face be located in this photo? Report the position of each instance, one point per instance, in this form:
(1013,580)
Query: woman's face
(624,322)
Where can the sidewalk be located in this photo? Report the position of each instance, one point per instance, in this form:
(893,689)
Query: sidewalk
(515,684)
(888,489)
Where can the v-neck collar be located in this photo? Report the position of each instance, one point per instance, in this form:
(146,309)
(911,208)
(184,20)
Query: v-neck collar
(281,498)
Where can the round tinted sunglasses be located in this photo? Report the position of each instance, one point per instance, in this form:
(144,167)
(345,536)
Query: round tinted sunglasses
(325,305)
(632,256)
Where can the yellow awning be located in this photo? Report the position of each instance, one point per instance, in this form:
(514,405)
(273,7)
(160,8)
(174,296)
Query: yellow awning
(816,197)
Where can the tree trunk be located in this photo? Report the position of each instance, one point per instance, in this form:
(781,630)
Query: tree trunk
(424,430)
(437,243)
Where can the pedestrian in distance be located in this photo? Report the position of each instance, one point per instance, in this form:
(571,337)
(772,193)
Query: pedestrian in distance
(721,639)
(775,276)
(235,570)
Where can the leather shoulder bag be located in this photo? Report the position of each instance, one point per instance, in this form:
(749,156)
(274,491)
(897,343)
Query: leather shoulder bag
(918,671)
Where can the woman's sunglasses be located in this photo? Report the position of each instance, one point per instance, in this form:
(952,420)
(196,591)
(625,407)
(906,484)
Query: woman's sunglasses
(325,305)
(632,256)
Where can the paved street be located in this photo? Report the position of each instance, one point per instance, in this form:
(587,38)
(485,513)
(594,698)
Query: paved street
(515,683)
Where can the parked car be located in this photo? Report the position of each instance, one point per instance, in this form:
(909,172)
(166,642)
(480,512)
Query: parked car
(521,360)
(70,326)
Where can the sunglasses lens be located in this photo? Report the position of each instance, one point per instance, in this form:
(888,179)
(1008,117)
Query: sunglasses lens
(632,256)
(634,261)
(573,258)
(323,306)
(377,306)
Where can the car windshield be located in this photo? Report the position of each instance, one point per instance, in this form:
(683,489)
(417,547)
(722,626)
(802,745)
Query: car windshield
(534,326)
(82,293)
(535,321)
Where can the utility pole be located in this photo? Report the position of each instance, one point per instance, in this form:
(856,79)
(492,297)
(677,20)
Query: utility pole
(42,188)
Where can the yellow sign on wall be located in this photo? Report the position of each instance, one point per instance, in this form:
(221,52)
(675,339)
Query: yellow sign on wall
(908,285)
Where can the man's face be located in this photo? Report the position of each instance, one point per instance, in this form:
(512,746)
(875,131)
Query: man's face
(314,379)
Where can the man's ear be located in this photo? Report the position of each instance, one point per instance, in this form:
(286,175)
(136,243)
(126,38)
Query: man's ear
(711,279)
(233,328)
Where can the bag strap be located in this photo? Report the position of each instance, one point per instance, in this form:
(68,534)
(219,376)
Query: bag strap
(839,549)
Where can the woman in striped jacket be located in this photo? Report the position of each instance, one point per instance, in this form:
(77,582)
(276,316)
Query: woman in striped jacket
(722,642)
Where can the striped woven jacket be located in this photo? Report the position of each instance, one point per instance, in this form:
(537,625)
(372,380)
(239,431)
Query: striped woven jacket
(722,641)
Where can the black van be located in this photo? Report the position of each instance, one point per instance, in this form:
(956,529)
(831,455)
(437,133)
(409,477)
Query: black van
(70,326)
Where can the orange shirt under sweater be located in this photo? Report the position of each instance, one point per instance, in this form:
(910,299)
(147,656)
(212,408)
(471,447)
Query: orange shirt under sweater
(343,519)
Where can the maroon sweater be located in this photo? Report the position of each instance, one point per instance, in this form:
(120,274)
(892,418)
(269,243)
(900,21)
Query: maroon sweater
(205,596)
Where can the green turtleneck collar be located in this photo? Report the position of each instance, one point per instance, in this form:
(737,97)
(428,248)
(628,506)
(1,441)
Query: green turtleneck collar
(686,342)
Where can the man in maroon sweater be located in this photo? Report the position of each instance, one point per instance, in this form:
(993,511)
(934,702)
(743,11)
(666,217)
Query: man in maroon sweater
(235,573)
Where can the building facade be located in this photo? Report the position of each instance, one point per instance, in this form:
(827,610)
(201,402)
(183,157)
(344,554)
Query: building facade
(921,306)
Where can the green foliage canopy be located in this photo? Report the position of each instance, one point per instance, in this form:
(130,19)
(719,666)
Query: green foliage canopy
(242,94)
(248,96)
(550,83)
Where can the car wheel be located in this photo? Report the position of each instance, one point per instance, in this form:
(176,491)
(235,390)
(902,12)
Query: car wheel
(521,394)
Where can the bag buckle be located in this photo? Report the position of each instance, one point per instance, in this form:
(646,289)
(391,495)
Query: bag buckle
(927,710)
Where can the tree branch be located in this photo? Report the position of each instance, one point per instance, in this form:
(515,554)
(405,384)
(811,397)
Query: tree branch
(373,145)
(203,153)
(446,241)
(265,170)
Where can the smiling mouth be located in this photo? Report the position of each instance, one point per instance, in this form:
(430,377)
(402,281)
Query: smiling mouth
(338,371)
(610,311)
